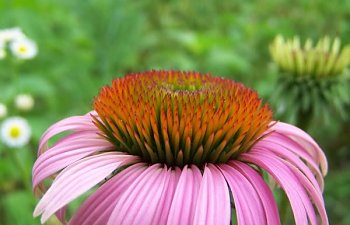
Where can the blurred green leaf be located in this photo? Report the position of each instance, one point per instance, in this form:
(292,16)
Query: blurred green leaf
(18,208)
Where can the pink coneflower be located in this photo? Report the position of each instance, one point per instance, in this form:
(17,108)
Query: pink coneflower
(169,147)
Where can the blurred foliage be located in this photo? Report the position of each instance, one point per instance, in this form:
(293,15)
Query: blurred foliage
(85,44)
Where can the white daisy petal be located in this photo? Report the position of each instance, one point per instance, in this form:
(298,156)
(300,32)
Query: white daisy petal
(11,34)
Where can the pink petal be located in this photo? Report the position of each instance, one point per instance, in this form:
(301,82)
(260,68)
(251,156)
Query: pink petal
(304,139)
(61,215)
(161,215)
(306,179)
(77,179)
(249,208)
(183,206)
(213,204)
(97,209)
(291,146)
(138,204)
(282,152)
(299,169)
(296,194)
(74,123)
(77,146)
(313,191)
(262,190)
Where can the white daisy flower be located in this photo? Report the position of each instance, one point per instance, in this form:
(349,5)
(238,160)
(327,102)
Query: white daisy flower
(24,102)
(3,110)
(24,48)
(11,34)
(15,132)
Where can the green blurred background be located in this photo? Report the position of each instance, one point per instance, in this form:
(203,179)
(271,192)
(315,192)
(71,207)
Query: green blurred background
(83,45)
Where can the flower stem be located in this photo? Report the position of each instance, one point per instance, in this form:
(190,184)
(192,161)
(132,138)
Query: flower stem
(284,209)
(23,172)
(14,71)
(304,119)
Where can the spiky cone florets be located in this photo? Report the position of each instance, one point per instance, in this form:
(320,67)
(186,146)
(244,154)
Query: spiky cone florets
(180,118)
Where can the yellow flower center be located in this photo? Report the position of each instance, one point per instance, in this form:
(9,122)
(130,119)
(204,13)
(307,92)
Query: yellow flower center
(22,49)
(180,118)
(15,132)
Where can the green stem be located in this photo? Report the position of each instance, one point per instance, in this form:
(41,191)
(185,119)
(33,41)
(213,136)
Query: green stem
(14,71)
(23,172)
(284,209)
(304,119)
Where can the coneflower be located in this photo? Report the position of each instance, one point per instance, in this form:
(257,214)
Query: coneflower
(169,147)
(313,80)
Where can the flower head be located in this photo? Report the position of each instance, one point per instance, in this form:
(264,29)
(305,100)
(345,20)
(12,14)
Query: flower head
(313,80)
(15,132)
(24,102)
(186,117)
(169,147)
(24,48)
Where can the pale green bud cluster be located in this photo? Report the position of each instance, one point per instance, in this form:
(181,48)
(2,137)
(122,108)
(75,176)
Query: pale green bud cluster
(324,59)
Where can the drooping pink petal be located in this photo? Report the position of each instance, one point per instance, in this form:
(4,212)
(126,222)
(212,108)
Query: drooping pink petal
(305,140)
(290,145)
(76,179)
(97,209)
(183,205)
(74,123)
(282,152)
(262,190)
(249,208)
(295,192)
(213,204)
(75,147)
(300,170)
(313,191)
(138,204)
(304,176)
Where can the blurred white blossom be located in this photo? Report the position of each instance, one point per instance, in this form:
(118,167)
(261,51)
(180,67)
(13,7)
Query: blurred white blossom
(24,102)
(24,48)
(20,45)
(11,34)
(3,110)
(15,132)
